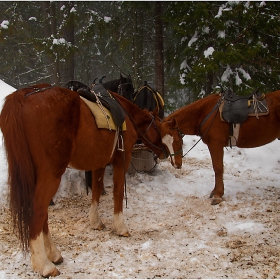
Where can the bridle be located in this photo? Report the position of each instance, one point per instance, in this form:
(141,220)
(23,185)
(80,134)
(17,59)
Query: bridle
(153,122)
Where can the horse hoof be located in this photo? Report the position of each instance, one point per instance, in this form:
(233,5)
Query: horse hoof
(100,227)
(53,273)
(216,201)
(127,234)
(59,261)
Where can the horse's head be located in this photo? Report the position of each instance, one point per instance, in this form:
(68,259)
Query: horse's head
(149,133)
(125,87)
(172,138)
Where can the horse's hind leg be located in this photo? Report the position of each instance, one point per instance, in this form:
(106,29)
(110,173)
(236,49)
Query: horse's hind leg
(42,248)
(39,259)
(97,189)
(53,253)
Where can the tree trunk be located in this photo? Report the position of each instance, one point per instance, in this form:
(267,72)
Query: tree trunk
(159,61)
(67,63)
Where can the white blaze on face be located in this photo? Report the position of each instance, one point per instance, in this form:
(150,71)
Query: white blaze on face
(168,141)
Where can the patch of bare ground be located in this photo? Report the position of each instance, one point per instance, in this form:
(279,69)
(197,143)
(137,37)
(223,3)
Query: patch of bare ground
(185,237)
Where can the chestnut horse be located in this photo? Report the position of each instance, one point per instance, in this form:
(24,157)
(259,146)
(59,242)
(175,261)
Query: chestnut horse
(45,129)
(202,118)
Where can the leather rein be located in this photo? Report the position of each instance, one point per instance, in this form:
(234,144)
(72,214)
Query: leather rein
(162,149)
(215,108)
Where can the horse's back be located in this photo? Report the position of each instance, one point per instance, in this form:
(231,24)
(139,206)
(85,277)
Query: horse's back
(260,130)
(50,119)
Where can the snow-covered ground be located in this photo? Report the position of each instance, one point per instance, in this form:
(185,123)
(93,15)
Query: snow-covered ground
(175,232)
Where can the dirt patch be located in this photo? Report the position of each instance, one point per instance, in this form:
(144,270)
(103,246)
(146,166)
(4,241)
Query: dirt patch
(173,235)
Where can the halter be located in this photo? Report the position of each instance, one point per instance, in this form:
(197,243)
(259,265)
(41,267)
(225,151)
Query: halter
(181,135)
(153,122)
(158,131)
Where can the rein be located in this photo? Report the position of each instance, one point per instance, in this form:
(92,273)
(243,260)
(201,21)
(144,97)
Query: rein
(216,107)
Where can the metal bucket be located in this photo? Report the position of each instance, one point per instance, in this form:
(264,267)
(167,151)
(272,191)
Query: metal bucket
(142,160)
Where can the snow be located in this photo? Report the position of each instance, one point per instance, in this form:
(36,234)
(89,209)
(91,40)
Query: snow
(226,74)
(221,34)
(175,232)
(4,24)
(208,52)
(193,39)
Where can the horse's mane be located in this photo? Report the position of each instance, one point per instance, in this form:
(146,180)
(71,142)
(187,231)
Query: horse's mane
(133,108)
(195,106)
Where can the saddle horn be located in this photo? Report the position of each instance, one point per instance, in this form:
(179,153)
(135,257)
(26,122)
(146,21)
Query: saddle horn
(100,80)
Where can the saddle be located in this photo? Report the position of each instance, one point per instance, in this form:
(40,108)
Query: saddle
(156,95)
(99,93)
(235,110)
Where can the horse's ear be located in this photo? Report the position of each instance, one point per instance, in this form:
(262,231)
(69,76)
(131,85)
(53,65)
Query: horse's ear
(156,111)
(174,123)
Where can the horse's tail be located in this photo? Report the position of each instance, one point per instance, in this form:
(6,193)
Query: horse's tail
(21,174)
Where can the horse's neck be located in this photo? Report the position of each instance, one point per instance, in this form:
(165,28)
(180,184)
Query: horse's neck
(132,110)
(191,116)
(187,120)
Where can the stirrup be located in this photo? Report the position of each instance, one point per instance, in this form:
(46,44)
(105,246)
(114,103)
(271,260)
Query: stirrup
(120,147)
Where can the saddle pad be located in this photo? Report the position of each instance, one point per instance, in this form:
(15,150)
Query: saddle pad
(100,118)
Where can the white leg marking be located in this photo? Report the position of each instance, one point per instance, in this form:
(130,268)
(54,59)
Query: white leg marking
(39,259)
(119,225)
(53,253)
(94,218)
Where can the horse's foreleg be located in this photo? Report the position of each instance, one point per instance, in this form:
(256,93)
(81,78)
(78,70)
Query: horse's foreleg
(97,189)
(120,167)
(217,155)
(53,253)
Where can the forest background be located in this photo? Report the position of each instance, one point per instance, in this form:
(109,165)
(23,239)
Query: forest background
(182,49)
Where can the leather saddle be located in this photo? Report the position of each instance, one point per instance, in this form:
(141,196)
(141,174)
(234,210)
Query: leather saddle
(98,91)
(236,109)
